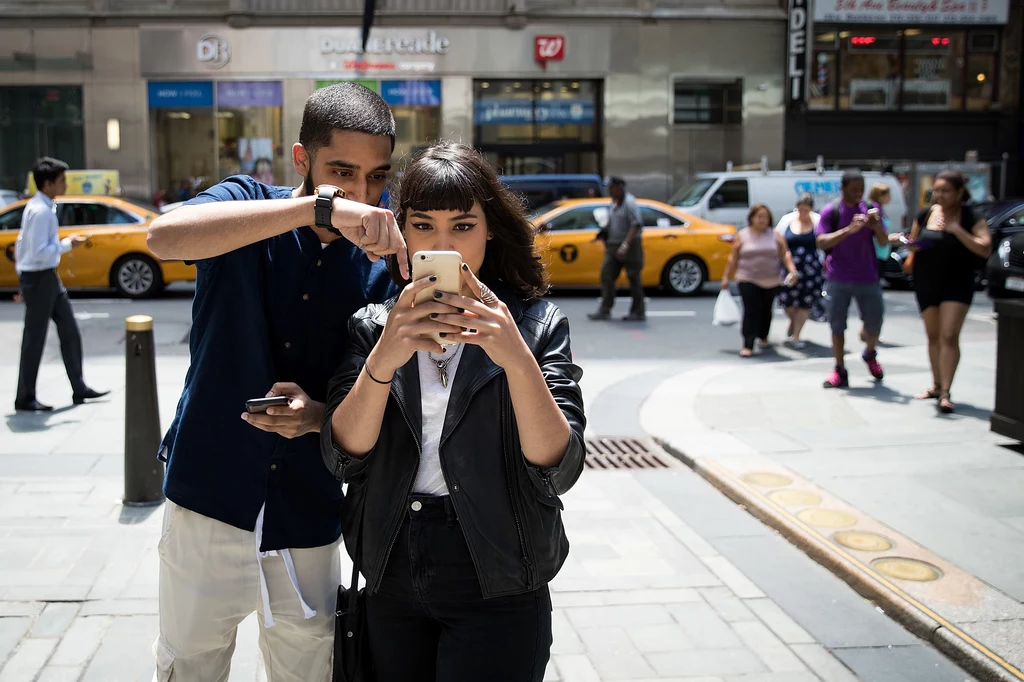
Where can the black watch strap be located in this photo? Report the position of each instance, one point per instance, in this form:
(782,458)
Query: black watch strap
(322,207)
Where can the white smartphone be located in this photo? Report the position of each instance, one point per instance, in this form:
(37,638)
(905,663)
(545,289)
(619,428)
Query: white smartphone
(445,265)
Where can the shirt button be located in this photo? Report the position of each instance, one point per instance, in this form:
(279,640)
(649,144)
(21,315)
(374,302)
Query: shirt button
(455,488)
(318,263)
(417,505)
(287,344)
(305,297)
(273,467)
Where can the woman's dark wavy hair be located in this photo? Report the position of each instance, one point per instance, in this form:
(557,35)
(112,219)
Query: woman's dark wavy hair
(957,180)
(450,177)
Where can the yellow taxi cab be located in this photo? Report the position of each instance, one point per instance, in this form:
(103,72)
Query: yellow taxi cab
(681,252)
(114,256)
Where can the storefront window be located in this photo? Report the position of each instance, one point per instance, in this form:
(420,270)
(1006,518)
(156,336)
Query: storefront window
(869,70)
(38,121)
(416,106)
(249,132)
(823,83)
(933,70)
(184,138)
(539,126)
(981,80)
(911,69)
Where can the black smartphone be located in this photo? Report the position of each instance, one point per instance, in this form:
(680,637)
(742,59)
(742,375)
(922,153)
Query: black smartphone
(260,405)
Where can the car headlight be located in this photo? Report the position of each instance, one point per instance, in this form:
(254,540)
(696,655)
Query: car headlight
(1004,253)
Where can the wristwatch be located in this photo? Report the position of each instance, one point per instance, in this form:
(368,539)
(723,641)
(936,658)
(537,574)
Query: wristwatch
(322,207)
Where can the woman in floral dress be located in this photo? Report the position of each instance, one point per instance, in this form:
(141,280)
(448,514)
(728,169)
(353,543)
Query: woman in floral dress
(802,300)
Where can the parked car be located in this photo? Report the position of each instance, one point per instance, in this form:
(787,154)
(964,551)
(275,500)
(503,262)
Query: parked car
(727,197)
(681,252)
(114,256)
(1004,267)
(541,190)
(8,196)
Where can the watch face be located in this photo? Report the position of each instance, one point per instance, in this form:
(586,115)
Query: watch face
(330,189)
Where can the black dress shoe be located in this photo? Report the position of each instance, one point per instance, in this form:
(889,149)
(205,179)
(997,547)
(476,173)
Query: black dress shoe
(32,406)
(88,394)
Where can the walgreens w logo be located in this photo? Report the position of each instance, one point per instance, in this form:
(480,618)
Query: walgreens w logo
(549,48)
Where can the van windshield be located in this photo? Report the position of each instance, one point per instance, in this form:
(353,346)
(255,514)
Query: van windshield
(691,195)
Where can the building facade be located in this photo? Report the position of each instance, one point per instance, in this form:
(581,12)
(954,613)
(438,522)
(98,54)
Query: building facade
(906,81)
(179,98)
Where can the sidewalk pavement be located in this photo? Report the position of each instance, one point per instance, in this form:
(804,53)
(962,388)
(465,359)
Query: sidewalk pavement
(653,588)
(922,513)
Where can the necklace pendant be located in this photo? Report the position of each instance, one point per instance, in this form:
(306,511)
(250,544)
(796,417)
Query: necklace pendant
(444,377)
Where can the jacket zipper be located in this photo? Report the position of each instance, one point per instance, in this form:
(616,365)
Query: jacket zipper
(510,468)
(398,526)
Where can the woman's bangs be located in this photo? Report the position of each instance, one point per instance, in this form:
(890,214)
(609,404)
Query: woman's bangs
(438,187)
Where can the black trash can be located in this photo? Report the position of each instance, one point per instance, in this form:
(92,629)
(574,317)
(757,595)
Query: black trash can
(1008,415)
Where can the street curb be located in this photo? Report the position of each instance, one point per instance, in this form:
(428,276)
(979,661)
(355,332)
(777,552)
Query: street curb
(954,645)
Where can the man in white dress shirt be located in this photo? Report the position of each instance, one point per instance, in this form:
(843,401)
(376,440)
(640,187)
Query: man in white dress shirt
(37,254)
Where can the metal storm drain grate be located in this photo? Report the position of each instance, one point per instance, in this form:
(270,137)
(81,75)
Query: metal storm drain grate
(627,453)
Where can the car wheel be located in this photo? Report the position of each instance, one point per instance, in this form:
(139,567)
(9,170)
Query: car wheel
(136,276)
(684,275)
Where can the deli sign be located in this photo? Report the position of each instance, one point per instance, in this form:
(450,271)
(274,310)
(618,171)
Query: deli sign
(796,68)
(548,48)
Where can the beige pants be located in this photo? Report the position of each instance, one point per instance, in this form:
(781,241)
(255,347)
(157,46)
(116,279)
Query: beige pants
(210,582)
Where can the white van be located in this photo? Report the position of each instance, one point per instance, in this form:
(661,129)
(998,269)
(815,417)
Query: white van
(727,197)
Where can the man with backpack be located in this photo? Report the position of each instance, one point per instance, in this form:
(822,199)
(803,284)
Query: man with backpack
(847,233)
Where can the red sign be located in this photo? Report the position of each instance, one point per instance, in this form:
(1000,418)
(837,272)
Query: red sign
(549,48)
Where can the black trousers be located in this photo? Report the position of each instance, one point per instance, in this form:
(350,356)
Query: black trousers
(429,621)
(611,268)
(757,312)
(46,299)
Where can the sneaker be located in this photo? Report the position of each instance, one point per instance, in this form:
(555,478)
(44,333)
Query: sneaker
(634,317)
(838,378)
(599,315)
(873,366)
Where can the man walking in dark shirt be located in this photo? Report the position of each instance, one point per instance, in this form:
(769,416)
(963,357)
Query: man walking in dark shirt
(623,248)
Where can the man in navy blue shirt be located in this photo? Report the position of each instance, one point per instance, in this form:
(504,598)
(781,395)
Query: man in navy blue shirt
(253,516)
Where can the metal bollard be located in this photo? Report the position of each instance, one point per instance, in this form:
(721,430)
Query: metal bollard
(143,472)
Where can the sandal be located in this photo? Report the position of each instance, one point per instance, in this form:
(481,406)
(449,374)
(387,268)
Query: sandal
(932,393)
(946,405)
(746,353)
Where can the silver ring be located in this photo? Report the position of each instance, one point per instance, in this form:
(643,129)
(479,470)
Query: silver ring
(487,296)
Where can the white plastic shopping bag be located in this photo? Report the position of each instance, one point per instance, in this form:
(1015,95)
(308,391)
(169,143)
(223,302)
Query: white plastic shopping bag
(726,311)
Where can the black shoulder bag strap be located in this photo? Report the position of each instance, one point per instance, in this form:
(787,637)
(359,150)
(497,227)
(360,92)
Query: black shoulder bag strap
(351,643)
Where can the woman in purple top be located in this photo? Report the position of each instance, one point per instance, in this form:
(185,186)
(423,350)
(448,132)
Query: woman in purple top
(950,239)
(756,262)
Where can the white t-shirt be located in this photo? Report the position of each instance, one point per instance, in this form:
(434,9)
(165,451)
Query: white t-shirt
(434,406)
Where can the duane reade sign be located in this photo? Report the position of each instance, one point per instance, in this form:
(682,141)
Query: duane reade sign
(429,44)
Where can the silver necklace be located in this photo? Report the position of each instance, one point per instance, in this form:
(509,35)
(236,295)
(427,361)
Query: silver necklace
(442,365)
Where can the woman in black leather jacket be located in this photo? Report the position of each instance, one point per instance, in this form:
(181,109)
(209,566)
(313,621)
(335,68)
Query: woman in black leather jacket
(456,454)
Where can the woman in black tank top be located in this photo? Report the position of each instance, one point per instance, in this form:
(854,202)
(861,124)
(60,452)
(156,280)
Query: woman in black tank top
(949,240)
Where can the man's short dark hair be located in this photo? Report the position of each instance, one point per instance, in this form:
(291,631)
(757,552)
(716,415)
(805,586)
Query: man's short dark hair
(48,169)
(852,175)
(616,180)
(344,106)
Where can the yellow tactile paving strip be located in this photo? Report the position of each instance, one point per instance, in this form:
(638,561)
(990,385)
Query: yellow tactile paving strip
(894,562)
